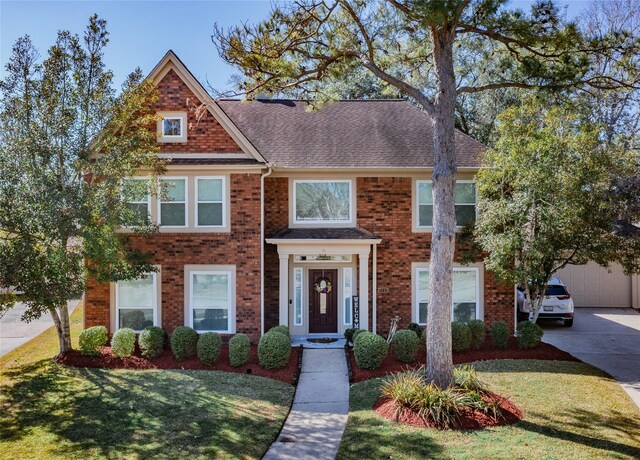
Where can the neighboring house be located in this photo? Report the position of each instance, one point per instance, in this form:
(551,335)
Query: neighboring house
(281,215)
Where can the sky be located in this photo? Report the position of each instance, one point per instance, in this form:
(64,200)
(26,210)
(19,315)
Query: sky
(141,32)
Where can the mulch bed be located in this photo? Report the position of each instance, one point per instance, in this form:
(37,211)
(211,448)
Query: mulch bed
(468,419)
(390,365)
(107,360)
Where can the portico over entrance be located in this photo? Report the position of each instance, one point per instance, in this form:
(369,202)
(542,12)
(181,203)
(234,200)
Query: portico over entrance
(321,270)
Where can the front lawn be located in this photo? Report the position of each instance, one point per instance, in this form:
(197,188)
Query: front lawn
(571,410)
(54,411)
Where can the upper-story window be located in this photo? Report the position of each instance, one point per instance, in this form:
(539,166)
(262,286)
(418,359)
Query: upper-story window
(172,127)
(136,195)
(210,202)
(323,201)
(465,203)
(172,202)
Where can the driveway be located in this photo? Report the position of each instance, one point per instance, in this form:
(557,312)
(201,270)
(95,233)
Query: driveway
(14,332)
(607,338)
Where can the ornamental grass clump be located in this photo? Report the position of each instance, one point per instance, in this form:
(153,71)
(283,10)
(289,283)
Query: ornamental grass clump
(369,350)
(500,334)
(477,330)
(466,378)
(123,342)
(184,342)
(405,345)
(274,350)
(282,329)
(91,339)
(209,345)
(151,341)
(460,336)
(239,350)
(529,334)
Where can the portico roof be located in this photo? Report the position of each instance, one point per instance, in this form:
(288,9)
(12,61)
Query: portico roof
(334,235)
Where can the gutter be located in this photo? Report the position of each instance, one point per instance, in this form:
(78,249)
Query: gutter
(270,167)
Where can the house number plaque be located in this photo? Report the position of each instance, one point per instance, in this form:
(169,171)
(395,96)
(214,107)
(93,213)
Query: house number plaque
(356,311)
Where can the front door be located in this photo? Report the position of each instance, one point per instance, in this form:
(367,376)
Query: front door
(323,301)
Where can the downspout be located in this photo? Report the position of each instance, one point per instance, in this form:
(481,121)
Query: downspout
(374,288)
(262,176)
(515,310)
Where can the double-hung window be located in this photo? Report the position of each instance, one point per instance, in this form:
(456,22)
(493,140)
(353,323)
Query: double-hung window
(210,202)
(466,303)
(464,200)
(136,196)
(323,202)
(137,302)
(172,202)
(210,301)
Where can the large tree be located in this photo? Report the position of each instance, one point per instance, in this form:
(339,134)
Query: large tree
(67,144)
(307,42)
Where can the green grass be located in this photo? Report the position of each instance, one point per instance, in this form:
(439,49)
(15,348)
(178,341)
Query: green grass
(52,411)
(571,410)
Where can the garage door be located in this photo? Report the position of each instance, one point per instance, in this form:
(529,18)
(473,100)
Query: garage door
(591,285)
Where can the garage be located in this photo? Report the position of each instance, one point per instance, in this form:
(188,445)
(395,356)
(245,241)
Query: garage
(591,285)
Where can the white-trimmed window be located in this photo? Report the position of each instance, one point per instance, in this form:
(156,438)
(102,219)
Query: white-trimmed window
(211,301)
(465,203)
(210,201)
(172,127)
(466,294)
(297,296)
(172,202)
(135,192)
(347,292)
(322,201)
(137,302)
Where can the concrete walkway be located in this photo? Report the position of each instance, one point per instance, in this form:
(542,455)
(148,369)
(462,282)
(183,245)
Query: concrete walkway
(320,408)
(607,338)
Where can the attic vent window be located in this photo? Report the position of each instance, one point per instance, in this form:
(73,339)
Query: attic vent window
(172,127)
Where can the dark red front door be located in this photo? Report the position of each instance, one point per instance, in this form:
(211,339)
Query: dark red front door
(323,301)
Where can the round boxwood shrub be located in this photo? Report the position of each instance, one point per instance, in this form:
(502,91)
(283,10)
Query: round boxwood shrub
(500,334)
(91,339)
(274,350)
(151,341)
(184,341)
(415,327)
(529,334)
(281,329)
(369,350)
(239,350)
(460,336)
(123,342)
(405,345)
(209,345)
(476,327)
(356,334)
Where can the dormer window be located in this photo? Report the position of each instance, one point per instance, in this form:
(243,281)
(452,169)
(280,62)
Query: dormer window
(172,127)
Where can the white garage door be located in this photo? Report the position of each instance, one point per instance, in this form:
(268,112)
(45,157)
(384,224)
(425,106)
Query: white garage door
(591,285)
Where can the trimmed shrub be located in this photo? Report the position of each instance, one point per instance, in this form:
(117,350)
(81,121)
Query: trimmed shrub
(460,336)
(405,345)
(281,329)
(369,350)
(529,334)
(184,342)
(151,341)
(239,350)
(123,342)
(274,350)
(91,339)
(415,327)
(356,334)
(476,327)
(500,334)
(209,345)
(348,334)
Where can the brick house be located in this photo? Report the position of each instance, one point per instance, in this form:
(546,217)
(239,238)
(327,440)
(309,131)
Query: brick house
(280,215)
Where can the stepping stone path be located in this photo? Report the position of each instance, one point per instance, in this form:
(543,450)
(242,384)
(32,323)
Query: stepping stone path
(314,427)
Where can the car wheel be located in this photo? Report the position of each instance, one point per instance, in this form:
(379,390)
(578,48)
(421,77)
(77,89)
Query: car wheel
(568,322)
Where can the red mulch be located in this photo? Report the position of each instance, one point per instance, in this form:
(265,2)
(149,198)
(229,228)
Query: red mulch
(166,360)
(468,419)
(486,352)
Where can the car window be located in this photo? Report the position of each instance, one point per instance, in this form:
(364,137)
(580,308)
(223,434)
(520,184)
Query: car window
(556,290)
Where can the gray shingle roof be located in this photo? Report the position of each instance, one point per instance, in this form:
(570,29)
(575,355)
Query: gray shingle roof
(324,234)
(344,134)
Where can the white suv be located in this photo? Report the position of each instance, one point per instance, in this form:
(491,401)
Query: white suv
(557,303)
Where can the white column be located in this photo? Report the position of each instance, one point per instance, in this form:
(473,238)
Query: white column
(284,290)
(363,289)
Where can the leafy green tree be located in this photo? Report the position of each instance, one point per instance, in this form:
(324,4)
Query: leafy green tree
(306,43)
(550,196)
(67,144)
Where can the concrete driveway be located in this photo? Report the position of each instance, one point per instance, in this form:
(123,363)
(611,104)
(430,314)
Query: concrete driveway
(607,338)
(14,332)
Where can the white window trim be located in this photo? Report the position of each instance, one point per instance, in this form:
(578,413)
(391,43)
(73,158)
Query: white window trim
(148,200)
(186,201)
(231,325)
(298,270)
(224,201)
(154,301)
(416,299)
(329,223)
(346,270)
(348,260)
(169,138)
(416,204)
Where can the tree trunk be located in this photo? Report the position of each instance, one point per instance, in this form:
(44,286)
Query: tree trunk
(60,317)
(439,355)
